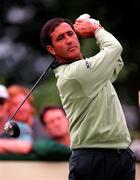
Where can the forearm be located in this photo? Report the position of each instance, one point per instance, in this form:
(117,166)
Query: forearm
(15,146)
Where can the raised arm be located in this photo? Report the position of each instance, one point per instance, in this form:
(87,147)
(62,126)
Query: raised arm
(107,63)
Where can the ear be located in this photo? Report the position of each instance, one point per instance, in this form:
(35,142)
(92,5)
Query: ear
(50,49)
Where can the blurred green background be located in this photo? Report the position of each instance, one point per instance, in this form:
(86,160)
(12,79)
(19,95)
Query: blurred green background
(23,59)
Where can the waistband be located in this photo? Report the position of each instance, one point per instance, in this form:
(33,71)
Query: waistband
(81,150)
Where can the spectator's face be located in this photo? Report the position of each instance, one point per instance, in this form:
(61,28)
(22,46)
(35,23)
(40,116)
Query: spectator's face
(65,44)
(24,112)
(3,109)
(56,123)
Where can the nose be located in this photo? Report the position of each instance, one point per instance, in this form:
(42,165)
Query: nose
(68,40)
(56,122)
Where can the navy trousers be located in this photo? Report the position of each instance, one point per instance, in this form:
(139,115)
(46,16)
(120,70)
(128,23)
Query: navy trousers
(102,164)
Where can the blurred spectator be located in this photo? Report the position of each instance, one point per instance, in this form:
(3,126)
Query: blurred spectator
(132,116)
(37,127)
(26,113)
(56,124)
(135,147)
(3,107)
(55,145)
(135,144)
(24,118)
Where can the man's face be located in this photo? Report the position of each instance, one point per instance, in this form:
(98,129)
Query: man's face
(65,44)
(24,112)
(56,123)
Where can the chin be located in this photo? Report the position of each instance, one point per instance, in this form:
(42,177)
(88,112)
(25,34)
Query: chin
(74,54)
(59,135)
(74,57)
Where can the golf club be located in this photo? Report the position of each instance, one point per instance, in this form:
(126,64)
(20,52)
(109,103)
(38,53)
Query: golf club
(11,128)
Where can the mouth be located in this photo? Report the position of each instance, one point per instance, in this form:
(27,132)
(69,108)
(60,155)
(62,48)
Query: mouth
(72,48)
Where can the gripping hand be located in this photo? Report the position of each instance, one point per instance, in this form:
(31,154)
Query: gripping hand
(86,26)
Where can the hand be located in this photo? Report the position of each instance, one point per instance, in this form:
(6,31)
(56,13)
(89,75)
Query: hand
(86,28)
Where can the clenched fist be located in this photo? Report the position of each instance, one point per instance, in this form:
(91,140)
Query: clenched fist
(86,27)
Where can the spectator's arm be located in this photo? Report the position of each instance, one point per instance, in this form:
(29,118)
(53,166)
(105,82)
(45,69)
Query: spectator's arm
(15,146)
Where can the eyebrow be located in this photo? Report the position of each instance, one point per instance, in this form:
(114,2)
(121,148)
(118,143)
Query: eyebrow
(69,31)
(59,36)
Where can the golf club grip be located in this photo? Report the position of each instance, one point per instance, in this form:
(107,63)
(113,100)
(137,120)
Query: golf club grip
(42,75)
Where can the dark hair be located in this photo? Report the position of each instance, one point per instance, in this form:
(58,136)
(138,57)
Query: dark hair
(48,108)
(49,27)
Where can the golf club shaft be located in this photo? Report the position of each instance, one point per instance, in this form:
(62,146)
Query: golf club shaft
(42,75)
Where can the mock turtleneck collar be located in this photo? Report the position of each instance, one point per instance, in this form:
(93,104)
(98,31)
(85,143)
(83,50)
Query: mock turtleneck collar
(57,64)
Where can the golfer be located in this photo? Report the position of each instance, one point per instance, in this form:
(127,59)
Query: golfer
(99,135)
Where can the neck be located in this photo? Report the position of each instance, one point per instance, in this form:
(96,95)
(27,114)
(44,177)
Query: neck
(58,62)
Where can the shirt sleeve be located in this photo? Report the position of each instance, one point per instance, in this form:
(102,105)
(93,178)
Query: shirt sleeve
(102,67)
(26,133)
(117,69)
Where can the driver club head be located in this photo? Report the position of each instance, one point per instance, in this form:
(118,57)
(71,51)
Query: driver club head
(12,129)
